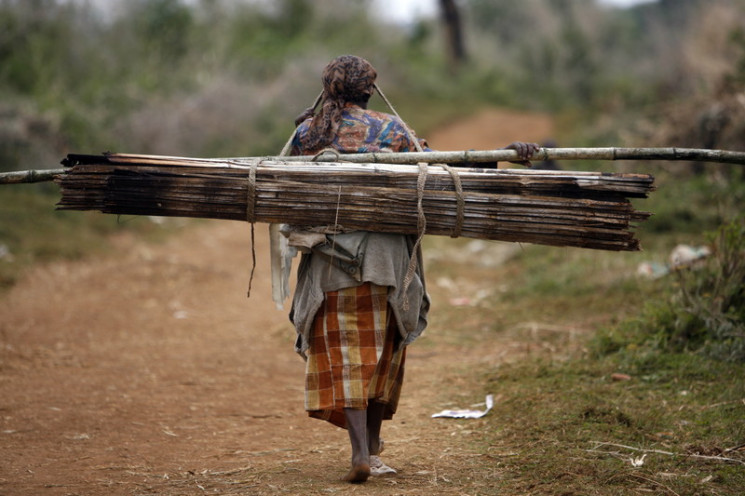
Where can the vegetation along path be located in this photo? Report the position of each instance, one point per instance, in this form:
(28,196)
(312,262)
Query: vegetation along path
(148,371)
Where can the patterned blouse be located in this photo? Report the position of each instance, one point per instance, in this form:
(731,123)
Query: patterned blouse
(363,131)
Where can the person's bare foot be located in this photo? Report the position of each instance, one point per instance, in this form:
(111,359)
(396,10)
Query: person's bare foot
(358,474)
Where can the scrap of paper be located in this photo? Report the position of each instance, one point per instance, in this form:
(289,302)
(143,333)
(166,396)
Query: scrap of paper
(470,414)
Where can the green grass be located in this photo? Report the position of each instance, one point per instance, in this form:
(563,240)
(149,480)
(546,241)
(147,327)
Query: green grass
(573,318)
(686,205)
(568,428)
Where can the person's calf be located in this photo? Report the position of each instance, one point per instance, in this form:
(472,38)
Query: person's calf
(357,429)
(375,413)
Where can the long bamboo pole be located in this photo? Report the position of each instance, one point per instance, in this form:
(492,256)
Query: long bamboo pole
(30,176)
(458,158)
(480,156)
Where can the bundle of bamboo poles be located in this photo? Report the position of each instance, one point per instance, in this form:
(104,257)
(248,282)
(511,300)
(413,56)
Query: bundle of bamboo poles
(583,209)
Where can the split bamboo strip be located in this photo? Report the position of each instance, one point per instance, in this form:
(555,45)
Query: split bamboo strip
(590,210)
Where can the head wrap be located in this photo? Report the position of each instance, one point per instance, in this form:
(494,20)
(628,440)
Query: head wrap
(345,79)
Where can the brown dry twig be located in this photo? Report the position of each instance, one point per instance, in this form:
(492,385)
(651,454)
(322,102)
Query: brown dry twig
(599,444)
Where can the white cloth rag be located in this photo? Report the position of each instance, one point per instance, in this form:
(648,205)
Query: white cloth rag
(377,467)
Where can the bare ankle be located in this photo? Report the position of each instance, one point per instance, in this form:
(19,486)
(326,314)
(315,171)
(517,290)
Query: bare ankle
(375,446)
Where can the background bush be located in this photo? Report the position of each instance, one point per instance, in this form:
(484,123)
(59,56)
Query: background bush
(703,311)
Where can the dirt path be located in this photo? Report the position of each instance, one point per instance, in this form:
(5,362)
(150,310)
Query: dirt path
(149,372)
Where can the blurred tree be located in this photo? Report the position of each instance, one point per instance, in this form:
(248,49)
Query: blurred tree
(297,15)
(454,33)
(33,42)
(737,77)
(505,20)
(164,26)
(578,64)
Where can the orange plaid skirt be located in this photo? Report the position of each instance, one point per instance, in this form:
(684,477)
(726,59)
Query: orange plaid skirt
(354,355)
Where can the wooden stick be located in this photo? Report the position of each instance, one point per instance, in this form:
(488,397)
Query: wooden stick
(599,444)
(30,176)
(479,156)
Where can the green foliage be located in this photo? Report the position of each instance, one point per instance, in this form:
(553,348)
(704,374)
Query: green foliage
(32,46)
(737,39)
(564,427)
(687,204)
(712,302)
(566,54)
(165,27)
(259,40)
(703,312)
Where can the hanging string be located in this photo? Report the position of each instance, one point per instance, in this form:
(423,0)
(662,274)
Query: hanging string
(421,219)
(460,200)
(421,226)
(253,262)
(251,217)
(331,151)
(409,132)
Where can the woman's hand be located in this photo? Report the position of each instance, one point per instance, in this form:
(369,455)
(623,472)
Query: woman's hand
(524,151)
(309,112)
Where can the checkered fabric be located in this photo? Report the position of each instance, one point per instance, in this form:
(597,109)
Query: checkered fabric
(354,355)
